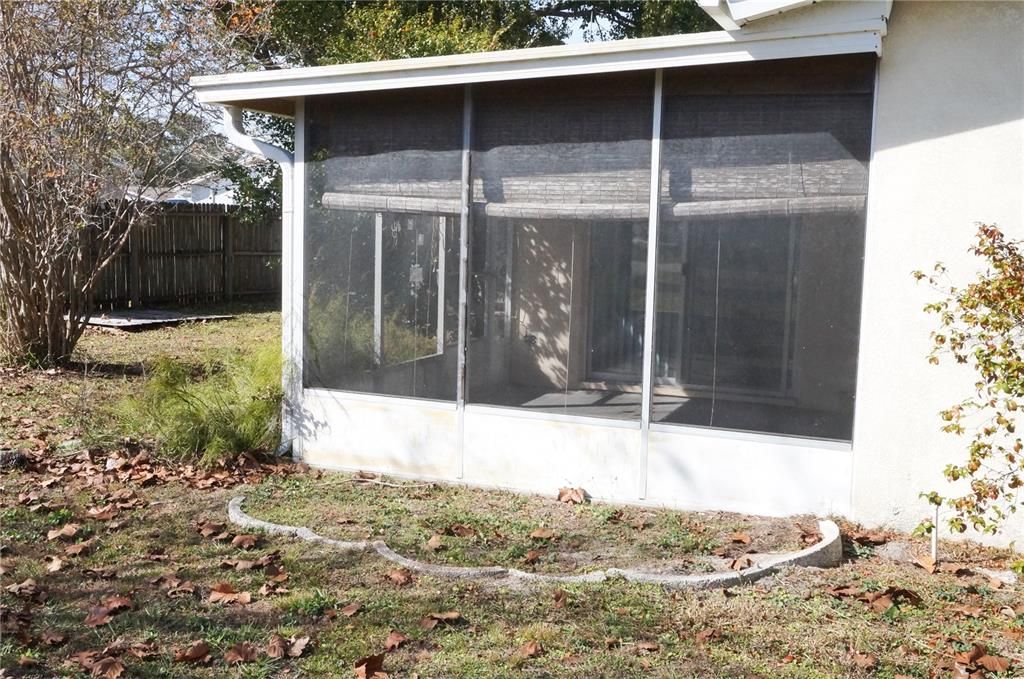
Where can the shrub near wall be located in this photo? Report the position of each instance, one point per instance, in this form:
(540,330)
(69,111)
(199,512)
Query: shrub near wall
(232,408)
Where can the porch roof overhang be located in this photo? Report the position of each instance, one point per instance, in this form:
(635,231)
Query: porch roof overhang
(818,30)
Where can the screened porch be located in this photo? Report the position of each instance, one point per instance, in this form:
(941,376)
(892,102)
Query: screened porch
(681,247)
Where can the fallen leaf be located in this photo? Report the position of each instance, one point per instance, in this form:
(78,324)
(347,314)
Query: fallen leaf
(865,661)
(994,663)
(296,645)
(709,634)
(197,652)
(531,649)
(97,616)
(448,617)
(871,538)
(370,666)
(394,640)
(573,496)
(434,543)
(65,532)
(926,562)
(741,562)
(50,638)
(561,598)
(78,548)
(277,646)
(400,576)
(542,534)
(351,609)
(245,541)
(740,538)
(115,604)
(224,592)
(462,530)
(108,668)
(240,653)
(532,556)
(53,563)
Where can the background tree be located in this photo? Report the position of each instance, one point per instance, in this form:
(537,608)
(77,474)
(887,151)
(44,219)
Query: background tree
(94,103)
(981,325)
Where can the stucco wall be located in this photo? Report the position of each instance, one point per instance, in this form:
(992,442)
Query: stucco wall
(948,151)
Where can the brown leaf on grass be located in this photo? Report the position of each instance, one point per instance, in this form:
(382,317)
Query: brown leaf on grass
(561,598)
(51,638)
(271,588)
(400,576)
(881,603)
(116,603)
(394,640)
(26,589)
(53,563)
(240,653)
(245,541)
(108,668)
(994,663)
(531,649)
(277,646)
(78,548)
(104,513)
(370,667)
(532,556)
(236,564)
(970,657)
(65,532)
(926,562)
(647,647)
(542,534)
(741,562)
(196,652)
(210,528)
(969,611)
(640,523)
(869,538)
(351,609)
(224,592)
(181,589)
(461,530)
(101,573)
(448,618)
(865,661)
(809,535)
(296,646)
(434,543)
(708,635)
(572,496)
(98,616)
(739,538)
(86,659)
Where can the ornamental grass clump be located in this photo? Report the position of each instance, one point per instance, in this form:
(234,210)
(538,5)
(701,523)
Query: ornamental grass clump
(230,409)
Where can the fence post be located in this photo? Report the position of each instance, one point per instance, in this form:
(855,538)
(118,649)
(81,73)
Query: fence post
(135,265)
(228,256)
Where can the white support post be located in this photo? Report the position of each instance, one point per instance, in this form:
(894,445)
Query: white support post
(650,306)
(378,287)
(294,290)
(465,214)
(442,225)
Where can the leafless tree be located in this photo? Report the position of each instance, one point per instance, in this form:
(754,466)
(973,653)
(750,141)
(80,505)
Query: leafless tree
(94,107)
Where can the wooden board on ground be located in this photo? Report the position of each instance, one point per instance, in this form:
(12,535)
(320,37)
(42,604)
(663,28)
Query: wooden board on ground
(142,319)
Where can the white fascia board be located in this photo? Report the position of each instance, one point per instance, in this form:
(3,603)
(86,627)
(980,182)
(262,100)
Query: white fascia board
(742,11)
(563,60)
(719,11)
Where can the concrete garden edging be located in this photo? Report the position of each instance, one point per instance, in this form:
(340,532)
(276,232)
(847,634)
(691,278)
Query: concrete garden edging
(827,553)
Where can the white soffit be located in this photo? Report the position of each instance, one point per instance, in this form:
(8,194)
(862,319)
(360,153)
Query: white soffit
(275,90)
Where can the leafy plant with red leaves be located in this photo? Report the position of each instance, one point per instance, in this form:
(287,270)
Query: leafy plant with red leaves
(981,324)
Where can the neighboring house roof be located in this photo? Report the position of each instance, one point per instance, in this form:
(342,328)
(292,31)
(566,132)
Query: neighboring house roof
(824,28)
(209,187)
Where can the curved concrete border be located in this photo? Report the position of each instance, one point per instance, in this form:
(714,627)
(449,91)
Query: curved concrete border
(824,554)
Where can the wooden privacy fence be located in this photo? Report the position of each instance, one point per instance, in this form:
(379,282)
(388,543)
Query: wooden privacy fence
(188,254)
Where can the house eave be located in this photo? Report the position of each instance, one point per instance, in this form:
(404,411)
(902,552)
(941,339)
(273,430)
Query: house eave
(275,91)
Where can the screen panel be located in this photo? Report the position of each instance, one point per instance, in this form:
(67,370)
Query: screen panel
(382,242)
(761,241)
(560,186)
